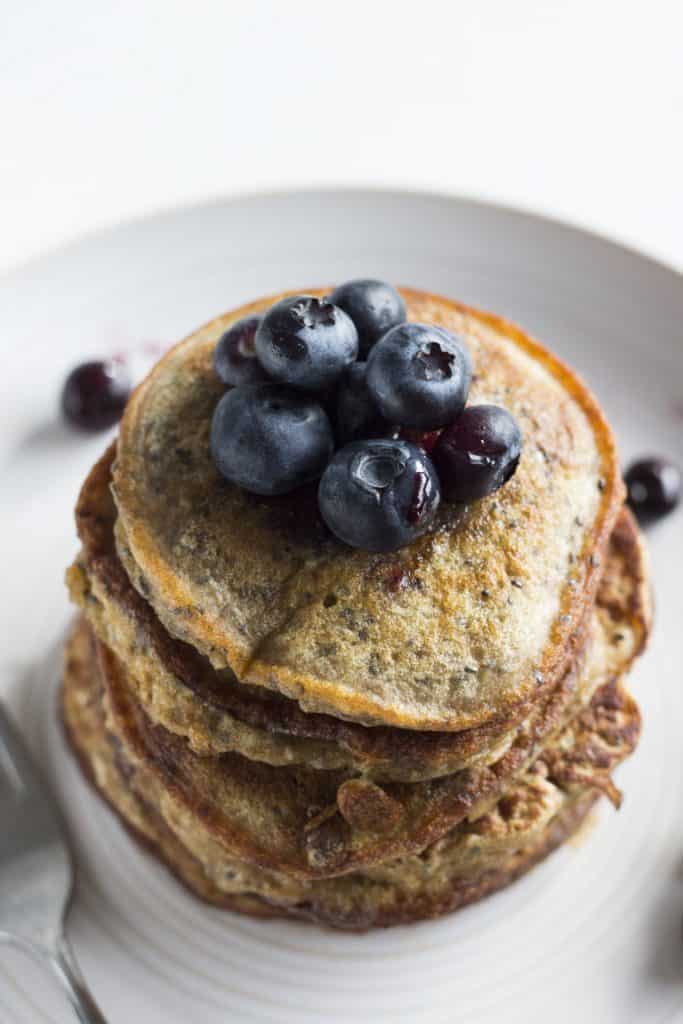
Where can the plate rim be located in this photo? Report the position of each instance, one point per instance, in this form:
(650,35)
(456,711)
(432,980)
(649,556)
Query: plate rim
(399,194)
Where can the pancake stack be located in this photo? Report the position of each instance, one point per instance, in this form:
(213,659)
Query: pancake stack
(297,728)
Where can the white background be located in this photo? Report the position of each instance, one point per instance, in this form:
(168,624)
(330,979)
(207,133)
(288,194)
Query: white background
(110,110)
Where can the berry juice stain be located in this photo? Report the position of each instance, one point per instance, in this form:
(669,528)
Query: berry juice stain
(418,503)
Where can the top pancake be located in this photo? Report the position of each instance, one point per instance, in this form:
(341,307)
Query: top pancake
(179,689)
(458,629)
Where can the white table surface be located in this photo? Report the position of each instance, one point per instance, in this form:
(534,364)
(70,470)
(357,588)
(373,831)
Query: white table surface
(111,110)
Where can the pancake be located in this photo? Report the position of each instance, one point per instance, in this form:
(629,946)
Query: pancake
(312,824)
(179,689)
(102,762)
(542,807)
(468,625)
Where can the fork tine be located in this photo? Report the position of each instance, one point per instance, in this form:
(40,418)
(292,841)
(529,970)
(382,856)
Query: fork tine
(20,785)
(36,870)
(16,765)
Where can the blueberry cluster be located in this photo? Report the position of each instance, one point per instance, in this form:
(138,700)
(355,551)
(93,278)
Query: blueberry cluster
(347,372)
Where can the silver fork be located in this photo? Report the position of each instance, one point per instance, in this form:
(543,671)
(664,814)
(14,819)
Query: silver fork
(36,871)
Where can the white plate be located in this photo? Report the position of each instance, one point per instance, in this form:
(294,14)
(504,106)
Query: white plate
(594,934)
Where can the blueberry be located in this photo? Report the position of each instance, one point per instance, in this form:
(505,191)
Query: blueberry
(379,495)
(269,440)
(234,357)
(374,306)
(306,342)
(653,487)
(95,394)
(419,376)
(478,453)
(357,416)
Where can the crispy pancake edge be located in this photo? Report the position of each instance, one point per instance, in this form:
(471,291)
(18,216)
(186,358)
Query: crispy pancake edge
(310,824)
(148,828)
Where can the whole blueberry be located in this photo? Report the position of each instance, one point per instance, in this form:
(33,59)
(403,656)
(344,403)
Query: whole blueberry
(234,357)
(478,453)
(653,487)
(306,343)
(357,416)
(379,495)
(374,306)
(419,376)
(269,440)
(95,394)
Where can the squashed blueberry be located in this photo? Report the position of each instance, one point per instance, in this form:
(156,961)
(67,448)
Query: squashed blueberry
(426,439)
(478,453)
(379,495)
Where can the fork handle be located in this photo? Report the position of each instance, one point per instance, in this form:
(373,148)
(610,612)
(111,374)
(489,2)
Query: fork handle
(64,966)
